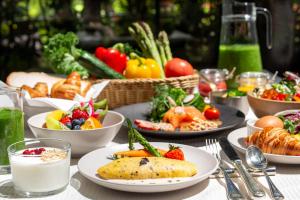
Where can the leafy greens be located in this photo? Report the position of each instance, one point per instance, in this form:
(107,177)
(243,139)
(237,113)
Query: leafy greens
(61,53)
(161,104)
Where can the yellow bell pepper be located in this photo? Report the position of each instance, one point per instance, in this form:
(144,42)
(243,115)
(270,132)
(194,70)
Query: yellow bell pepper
(142,68)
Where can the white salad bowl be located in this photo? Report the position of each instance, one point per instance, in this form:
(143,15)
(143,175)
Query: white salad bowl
(286,112)
(82,141)
(251,128)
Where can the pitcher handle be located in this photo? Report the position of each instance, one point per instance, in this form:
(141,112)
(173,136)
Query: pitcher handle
(266,13)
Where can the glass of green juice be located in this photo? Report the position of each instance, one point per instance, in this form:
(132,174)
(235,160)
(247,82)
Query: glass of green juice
(11,124)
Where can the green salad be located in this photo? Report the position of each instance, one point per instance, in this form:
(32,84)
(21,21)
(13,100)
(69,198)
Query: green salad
(167,97)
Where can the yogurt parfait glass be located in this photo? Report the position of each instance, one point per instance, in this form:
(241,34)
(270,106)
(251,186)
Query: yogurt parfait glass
(40,167)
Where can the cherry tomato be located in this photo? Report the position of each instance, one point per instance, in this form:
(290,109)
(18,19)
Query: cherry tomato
(281,97)
(178,67)
(212,113)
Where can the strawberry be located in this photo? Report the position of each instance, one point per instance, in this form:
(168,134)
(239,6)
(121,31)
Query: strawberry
(174,153)
(65,120)
(77,114)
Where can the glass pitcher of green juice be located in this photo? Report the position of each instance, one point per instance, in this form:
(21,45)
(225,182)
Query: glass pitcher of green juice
(238,43)
(11,123)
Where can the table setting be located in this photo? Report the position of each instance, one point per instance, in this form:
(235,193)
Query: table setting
(283,175)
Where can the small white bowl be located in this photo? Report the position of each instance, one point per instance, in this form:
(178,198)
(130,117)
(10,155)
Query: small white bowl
(82,141)
(251,128)
(286,112)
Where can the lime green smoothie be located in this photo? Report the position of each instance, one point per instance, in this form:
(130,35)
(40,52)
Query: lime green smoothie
(245,57)
(11,130)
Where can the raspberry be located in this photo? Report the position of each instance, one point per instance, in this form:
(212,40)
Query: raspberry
(77,114)
(39,151)
(36,151)
(84,115)
(26,152)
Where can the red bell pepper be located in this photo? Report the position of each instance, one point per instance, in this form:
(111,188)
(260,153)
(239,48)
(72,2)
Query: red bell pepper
(113,58)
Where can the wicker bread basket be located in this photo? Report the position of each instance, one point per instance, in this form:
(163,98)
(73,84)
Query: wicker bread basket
(129,91)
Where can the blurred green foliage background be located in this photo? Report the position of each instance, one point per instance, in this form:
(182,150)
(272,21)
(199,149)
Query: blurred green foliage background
(193,26)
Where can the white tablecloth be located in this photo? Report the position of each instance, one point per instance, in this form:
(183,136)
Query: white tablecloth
(287,180)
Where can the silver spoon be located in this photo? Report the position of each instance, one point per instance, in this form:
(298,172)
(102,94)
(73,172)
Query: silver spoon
(256,160)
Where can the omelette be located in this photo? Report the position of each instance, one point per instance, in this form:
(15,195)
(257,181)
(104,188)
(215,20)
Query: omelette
(131,168)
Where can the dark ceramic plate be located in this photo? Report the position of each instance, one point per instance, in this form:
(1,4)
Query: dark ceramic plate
(230,118)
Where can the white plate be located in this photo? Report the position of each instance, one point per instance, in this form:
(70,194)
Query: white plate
(236,139)
(206,165)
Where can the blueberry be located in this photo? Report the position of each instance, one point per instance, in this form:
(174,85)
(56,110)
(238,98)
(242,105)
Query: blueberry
(75,122)
(82,120)
(76,127)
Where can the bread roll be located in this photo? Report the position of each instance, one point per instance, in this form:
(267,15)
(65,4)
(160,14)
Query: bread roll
(67,89)
(39,90)
(18,79)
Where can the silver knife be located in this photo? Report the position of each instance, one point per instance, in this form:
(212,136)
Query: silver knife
(253,187)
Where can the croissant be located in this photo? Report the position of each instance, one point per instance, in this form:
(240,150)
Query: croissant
(275,141)
(39,90)
(67,89)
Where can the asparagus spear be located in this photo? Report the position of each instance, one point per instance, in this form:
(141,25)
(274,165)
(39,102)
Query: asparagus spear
(161,52)
(134,135)
(163,38)
(145,39)
(139,41)
(154,49)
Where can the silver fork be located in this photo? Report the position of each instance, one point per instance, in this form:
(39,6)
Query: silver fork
(232,191)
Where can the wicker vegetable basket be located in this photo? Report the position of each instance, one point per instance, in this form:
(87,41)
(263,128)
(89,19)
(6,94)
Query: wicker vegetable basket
(129,91)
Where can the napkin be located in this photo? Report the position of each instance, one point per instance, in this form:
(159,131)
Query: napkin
(65,104)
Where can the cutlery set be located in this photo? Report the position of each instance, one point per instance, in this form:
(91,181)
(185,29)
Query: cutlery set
(233,173)
(257,166)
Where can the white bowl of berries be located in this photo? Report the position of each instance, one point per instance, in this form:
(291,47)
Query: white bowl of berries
(86,127)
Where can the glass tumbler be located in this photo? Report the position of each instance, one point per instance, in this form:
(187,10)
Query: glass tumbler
(11,123)
(40,167)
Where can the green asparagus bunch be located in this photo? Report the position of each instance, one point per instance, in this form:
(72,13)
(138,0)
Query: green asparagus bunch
(158,49)
(134,135)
